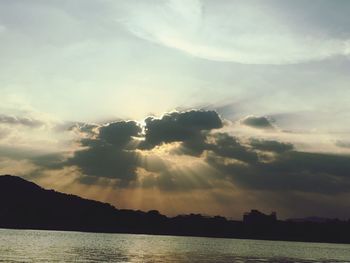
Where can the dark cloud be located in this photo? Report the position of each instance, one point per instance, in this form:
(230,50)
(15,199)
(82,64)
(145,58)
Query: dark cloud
(111,154)
(291,171)
(15,120)
(112,150)
(270,146)
(219,144)
(258,122)
(103,160)
(225,145)
(315,163)
(179,127)
(119,133)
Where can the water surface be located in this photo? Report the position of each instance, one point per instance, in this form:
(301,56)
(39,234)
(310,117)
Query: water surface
(55,246)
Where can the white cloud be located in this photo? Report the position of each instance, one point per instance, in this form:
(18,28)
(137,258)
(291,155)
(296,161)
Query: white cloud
(244,33)
(24,127)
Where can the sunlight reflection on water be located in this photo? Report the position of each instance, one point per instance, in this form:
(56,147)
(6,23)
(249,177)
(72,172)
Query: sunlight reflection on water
(55,246)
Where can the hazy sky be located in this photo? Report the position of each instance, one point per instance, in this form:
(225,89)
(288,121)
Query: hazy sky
(250,102)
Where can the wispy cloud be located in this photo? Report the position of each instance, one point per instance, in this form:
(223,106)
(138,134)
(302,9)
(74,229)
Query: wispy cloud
(10,119)
(237,31)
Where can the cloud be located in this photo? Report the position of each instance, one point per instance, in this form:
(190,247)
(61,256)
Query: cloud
(184,127)
(120,150)
(270,145)
(106,161)
(290,171)
(84,129)
(15,120)
(227,146)
(258,122)
(234,35)
(119,133)
(109,154)
(27,134)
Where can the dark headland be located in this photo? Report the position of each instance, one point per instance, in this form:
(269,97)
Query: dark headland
(25,205)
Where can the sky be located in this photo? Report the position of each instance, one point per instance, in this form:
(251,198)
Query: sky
(184,106)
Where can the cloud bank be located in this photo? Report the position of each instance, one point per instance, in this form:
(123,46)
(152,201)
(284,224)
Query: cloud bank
(183,151)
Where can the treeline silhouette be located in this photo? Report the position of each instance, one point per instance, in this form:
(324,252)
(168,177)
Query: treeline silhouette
(25,205)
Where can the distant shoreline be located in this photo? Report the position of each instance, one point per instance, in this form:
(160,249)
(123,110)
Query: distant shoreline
(26,206)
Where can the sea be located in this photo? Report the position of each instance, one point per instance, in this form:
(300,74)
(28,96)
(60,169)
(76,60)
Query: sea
(59,246)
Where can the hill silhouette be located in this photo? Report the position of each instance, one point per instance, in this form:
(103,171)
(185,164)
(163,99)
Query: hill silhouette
(25,205)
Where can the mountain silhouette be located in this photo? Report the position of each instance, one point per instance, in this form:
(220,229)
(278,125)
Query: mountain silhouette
(25,205)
